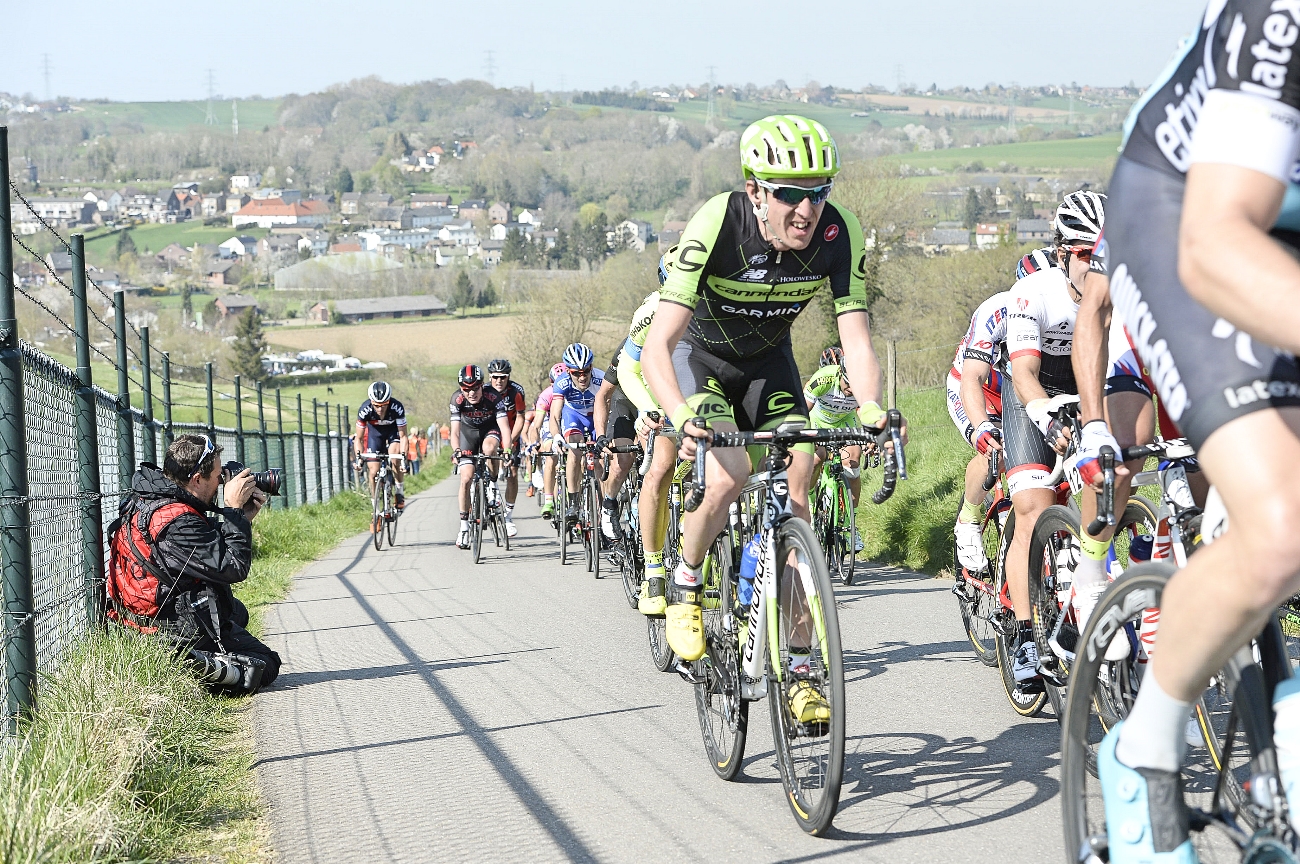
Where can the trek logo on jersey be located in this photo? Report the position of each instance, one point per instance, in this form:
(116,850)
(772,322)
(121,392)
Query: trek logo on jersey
(753,275)
(832,231)
(992,322)
(1023,303)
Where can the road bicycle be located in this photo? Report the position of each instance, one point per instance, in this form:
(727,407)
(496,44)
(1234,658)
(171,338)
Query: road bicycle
(747,652)
(383,498)
(486,511)
(625,551)
(585,527)
(661,653)
(833,518)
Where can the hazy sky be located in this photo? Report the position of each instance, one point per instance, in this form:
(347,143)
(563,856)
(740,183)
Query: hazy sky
(148,50)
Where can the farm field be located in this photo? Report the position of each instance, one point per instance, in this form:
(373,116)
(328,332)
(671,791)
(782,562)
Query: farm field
(154,238)
(441,342)
(1071,153)
(175,116)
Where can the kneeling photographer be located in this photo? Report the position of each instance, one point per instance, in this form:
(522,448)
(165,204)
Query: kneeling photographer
(173,562)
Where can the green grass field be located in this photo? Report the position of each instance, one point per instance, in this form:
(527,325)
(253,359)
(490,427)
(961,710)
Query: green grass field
(1072,153)
(175,116)
(101,249)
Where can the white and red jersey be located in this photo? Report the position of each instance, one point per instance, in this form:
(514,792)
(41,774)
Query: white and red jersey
(985,335)
(1040,322)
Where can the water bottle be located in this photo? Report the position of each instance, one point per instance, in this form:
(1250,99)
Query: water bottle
(1286,738)
(748,569)
(1139,549)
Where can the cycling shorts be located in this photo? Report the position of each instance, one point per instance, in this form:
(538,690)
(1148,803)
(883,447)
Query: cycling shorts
(1128,375)
(472,438)
(573,420)
(1205,372)
(378,440)
(1029,458)
(756,393)
(622,417)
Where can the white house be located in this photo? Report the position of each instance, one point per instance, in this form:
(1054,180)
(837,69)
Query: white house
(459,232)
(317,242)
(245,181)
(530,217)
(501,229)
(631,234)
(266,213)
(446,256)
(987,235)
(238,247)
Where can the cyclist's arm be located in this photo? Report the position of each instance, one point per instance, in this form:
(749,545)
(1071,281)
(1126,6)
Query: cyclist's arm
(600,416)
(974,375)
(503,423)
(557,409)
(633,383)
(1024,343)
(1088,352)
(1226,258)
(518,428)
(668,328)
(860,356)
(1024,377)
(454,438)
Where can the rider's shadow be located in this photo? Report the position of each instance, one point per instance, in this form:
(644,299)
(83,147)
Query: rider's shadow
(863,663)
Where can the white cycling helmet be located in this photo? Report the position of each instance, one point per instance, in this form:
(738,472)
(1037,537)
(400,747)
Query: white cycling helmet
(1080,218)
(578,357)
(380,393)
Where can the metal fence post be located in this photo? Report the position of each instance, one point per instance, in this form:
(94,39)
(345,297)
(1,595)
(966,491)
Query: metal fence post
(261,429)
(315,443)
(239,423)
(125,434)
(148,441)
(329,451)
(15,541)
(168,435)
(92,520)
(279,439)
(343,447)
(212,415)
(302,456)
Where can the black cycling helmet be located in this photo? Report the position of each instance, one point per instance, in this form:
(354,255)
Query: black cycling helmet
(380,393)
(470,375)
(499,366)
(832,356)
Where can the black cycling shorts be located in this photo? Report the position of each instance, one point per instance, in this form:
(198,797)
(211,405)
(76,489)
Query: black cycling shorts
(379,440)
(1029,458)
(622,417)
(1206,373)
(472,438)
(756,393)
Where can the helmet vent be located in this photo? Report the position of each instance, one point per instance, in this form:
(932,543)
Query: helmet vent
(772,158)
(807,146)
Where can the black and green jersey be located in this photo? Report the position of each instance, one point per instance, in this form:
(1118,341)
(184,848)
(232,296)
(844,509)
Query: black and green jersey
(744,293)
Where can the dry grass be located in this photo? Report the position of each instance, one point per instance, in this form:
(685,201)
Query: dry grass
(446,341)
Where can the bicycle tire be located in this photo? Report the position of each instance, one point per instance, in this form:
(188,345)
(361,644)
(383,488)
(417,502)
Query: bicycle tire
(631,569)
(594,537)
(1053,547)
(723,714)
(391,521)
(377,516)
(980,606)
(824,771)
(1024,704)
(476,520)
(845,550)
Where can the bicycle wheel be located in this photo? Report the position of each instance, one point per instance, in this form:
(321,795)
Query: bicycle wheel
(723,714)
(594,537)
(476,519)
(843,552)
(1029,702)
(1053,555)
(631,566)
(977,592)
(1102,694)
(377,515)
(391,494)
(810,756)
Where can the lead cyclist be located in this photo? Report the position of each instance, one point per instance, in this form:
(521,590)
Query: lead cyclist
(719,346)
(1202,239)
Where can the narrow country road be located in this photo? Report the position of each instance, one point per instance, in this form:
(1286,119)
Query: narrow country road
(432,710)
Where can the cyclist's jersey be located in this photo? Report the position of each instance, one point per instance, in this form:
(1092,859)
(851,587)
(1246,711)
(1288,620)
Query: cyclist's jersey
(832,407)
(745,295)
(516,402)
(481,416)
(633,381)
(1242,73)
(986,334)
(543,409)
(1040,322)
(389,426)
(581,401)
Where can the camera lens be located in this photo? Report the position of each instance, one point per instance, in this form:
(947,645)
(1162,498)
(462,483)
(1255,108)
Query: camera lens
(270,481)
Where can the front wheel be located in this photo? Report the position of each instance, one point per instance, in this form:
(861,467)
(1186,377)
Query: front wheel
(594,537)
(392,519)
(377,515)
(476,520)
(810,755)
(1027,702)
(723,714)
(843,552)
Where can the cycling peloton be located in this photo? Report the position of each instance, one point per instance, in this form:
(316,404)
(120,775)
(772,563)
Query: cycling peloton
(719,345)
(512,392)
(832,405)
(572,407)
(381,426)
(614,418)
(1040,330)
(1201,251)
(545,444)
(479,425)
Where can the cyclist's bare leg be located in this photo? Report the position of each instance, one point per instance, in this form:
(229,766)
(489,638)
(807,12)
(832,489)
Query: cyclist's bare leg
(1029,505)
(800,474)
(725,471)
(852,457)
(548,469)
(619,468)
(394,449)
(466,474)
(574,476)
(1132,420)
(512,480)
(976,470)
(372,468)
(794,601)
(652,507)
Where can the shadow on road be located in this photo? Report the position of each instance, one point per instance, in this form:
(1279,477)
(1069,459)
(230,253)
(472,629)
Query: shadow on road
(290,680)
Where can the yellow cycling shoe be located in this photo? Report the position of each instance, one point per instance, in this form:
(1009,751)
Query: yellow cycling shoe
(686,625)
(807,704)
(653,602)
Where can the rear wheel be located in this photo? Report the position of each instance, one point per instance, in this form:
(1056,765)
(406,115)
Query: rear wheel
(843,552)
(723,714)
(594,538)
(392,511)
(561,517)
(977,592)
(1026,702)
(810,756)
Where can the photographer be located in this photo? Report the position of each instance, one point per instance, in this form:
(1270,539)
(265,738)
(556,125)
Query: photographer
(173,564)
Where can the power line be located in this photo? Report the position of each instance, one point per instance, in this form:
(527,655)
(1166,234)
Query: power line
(211,119)
(45,65)
(490,67)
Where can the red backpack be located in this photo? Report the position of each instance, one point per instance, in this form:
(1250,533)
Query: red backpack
(136,586)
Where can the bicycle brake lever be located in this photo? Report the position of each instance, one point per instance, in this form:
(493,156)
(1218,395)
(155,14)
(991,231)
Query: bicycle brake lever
(1106,497)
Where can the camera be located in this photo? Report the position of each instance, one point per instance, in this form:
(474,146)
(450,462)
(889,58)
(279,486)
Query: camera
(236,673)
(269,481)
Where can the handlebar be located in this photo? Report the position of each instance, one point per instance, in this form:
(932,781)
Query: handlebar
(995,468)
(1174,448)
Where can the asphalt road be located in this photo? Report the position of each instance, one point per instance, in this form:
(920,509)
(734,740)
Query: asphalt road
(433,710)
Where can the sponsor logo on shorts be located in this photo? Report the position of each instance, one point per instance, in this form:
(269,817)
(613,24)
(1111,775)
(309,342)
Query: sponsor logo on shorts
(832,231)
(1141,327)
(1260,390)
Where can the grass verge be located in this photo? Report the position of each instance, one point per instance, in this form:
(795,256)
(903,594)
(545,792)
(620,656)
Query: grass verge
(914,527)
(129,758)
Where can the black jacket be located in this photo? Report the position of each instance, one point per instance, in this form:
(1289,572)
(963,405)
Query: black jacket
(194,549)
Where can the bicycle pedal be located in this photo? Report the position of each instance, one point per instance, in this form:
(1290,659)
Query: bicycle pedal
(682,668)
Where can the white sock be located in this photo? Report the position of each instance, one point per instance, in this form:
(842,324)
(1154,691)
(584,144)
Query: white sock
(464,524)
(399,487)
(797,660)
(1089,572)
(1152,736)
(688,577)
(510,510)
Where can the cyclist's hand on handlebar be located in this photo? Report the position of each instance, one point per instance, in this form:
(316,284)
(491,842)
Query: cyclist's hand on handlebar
(602,442)
(692,430)
(1095,436)
(986,438)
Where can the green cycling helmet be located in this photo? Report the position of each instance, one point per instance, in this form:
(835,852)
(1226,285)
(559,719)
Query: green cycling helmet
(787,145)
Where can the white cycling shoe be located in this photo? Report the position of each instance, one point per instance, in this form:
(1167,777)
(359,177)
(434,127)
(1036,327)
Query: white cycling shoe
(511,530)
(462,539)
(1084,601)
(970,546)
(857,540)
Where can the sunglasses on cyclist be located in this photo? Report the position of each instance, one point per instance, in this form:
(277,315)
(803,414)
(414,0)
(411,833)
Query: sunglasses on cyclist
(792,195)
(579,371)
(470,388)
(1083,253)
(500,377)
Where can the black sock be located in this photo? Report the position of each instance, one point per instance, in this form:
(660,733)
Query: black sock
(1026,632)
(464,515)
(610,504)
